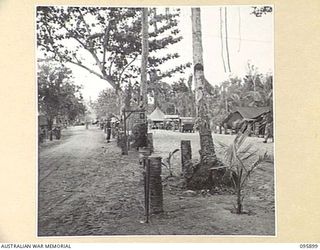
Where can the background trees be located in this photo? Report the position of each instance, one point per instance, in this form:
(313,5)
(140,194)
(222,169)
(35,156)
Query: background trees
(58,97)
(178,98)
(252,90)
(105,103)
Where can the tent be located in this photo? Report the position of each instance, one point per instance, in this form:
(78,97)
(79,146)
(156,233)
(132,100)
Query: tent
(157,115)
(245,113)
(171,117)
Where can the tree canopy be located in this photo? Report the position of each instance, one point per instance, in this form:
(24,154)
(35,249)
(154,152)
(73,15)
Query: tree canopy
(58,97)
(107,41)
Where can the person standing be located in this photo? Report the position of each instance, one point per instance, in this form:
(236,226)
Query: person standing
(108,129)
(87,124)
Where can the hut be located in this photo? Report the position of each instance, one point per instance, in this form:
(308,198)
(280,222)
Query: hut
(250,114)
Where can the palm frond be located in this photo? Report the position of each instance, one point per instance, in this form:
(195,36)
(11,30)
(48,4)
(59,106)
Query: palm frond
(248,155)
(222,144)
(246,149)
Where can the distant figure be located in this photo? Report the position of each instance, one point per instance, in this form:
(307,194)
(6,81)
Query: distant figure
(105,126)
(87,124)
(57,132)
(268,132)
(42,135)
(102,124)
(108,129)
(116,128)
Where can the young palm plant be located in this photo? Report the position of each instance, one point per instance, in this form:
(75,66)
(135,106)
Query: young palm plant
(242,160)
(168,162)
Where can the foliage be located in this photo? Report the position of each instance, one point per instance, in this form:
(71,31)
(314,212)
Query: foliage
(261,10)
(253,90)
(58,97)
(242,160)
(183,97)
(168,161)
(107,41)
(106,103)
(177,98)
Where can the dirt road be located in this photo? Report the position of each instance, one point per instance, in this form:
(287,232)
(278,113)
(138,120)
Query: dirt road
(86,187)
(83,188)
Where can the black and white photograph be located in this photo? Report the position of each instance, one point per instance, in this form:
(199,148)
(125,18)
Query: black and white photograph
(155,120)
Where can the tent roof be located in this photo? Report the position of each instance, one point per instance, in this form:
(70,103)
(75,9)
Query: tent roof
(172,116)
(248,113)
(251,112)
(156,115)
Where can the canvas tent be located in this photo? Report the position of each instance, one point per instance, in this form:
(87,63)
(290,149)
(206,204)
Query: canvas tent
(244,113)
(171,117)
(157,115)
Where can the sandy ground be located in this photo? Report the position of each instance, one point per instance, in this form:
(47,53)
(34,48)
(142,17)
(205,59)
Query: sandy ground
(86,187)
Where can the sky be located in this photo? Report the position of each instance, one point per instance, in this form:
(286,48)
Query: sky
(255,46)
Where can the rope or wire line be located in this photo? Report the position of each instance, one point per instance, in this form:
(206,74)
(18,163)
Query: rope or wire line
(239,15)
(226,29)
(237,38)
(221,36)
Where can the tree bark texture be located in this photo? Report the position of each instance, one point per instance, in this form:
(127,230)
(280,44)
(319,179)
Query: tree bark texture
(208,157)
(154,82)
(239,201)
(50,126)
(186,154)
(156,194)
(144,59)
(150,142)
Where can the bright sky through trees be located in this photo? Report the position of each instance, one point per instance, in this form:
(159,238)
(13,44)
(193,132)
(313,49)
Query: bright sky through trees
(255,46)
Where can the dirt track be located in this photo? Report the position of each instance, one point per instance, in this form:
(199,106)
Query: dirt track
(86,187)
(83,188)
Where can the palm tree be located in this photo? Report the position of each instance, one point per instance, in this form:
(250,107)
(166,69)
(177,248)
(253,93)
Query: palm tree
(208,159)
(262,95)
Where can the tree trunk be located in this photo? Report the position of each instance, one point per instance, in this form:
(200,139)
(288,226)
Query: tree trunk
(186,154)
(120,103)
(154,83)
(239,201)
(156,98)
(208,157)
(50,123)
(144,59)
(150,142)
(156,193)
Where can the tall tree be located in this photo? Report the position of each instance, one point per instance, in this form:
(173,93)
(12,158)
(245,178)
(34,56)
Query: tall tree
(183,97)
(106,41)
(58,97)
(208,158)
(105,103)
(144,59)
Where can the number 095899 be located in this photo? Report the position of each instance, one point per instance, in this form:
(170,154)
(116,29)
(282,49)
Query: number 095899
(308,246)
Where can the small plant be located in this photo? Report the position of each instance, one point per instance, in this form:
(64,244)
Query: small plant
(168,162)
(242,161)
